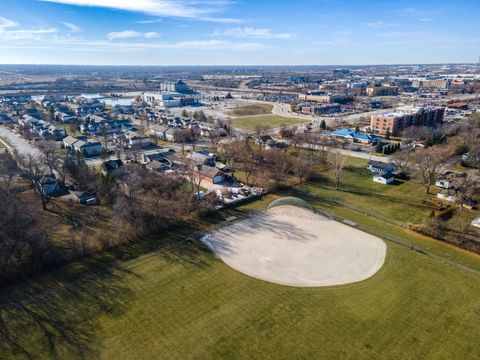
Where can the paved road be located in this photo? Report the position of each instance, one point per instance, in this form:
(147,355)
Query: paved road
(18,143)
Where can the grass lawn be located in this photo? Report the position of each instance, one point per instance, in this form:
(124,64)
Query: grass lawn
(249,123)
(167,298)
(403,202)
(248,110)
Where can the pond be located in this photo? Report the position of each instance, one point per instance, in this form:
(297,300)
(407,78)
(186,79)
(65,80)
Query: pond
(112,101)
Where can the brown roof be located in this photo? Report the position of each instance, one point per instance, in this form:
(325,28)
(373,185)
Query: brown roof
(210,172)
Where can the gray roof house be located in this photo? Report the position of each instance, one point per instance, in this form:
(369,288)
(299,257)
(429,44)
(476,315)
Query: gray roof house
(381,168)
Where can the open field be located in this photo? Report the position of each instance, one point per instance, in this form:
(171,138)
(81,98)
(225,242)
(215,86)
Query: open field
(292,245)
(249,123)
(249,110)
(169,299)
(403,202)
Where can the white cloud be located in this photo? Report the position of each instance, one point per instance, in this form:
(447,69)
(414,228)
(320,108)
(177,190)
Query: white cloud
(11,30)
(255,33)
(150,21)
(193,9)
(71,44)
(7,23)
(26,34)
(150,34)
(419,14)
(72,27)
(379,24)
(129,34)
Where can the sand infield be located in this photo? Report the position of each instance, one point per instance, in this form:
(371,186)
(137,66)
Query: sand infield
(294,246)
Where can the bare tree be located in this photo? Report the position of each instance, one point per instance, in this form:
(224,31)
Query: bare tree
(49,158)
(261,131)
(466,190)
(8,169)
(34,174)
(230,153)
(336,162)
(288,132)
(214,137)
(249,159)
(324,148)
(179,137)
(403,160)
(303,166)
(429,164)
(194,136)
(279,164)
(194,175)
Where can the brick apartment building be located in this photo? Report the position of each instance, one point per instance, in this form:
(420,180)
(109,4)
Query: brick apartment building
(397,121)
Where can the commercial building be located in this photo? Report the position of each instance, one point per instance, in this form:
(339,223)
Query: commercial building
(176,87)
(326,98)
(396,122)
(169,99)
(307,108)
(353,136)
(440,84)
(382,91)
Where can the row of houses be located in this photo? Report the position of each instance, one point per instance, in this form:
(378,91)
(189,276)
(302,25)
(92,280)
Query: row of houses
(82,145)
(167,161)
(41,129)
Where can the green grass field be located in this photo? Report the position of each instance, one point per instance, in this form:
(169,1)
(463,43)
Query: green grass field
(167,298)
(249,123)
(248,110)
(404,202)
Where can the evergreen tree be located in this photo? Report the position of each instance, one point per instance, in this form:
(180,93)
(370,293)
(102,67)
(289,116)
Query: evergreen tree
(387,134)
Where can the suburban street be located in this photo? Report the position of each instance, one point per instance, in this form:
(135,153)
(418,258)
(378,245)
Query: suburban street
(21,145)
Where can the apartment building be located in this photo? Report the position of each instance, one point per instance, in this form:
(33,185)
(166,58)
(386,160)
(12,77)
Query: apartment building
(396,122)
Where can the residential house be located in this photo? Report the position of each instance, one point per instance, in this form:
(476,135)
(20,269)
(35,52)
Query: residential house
(446,196)
(443,184)
(380,167)
(48,185)
(202,158)
(112,167)
(211,174)
(385,179)
(158,161)
(82,145)
(63,117)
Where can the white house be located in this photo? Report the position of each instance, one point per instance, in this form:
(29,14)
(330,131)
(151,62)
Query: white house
(380,167)
(443,184)
(384,179)
(446,197)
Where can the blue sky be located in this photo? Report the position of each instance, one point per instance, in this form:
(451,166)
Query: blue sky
(238,32)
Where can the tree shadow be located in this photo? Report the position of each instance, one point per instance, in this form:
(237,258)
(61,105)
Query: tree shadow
(52,319)
(56,315)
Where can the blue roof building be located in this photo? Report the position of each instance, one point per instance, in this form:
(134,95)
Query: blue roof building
(354,136)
